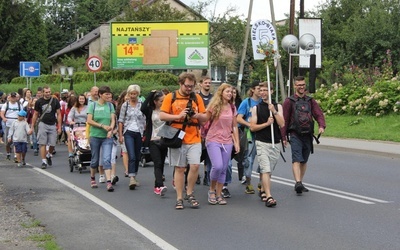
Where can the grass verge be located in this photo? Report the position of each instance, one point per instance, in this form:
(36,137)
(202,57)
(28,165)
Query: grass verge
(385,128)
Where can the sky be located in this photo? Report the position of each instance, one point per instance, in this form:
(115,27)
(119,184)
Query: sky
(261,9)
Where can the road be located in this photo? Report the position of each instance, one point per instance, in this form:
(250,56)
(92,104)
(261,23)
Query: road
(353,203)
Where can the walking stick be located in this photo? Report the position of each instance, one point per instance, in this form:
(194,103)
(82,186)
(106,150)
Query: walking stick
(270,101)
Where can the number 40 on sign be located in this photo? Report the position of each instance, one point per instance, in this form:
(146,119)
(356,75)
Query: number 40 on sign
(94,63)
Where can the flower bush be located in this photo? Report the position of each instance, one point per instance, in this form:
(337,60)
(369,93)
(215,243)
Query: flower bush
(362,91)
(379,99)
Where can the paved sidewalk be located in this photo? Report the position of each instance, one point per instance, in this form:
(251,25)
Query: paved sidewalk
(382,148)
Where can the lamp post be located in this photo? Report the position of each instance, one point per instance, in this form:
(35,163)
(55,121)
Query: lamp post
(66,73)
(290,43)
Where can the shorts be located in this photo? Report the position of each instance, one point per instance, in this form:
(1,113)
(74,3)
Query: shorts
(267,156)
(187,154)
(301,148)
(21,147)
(47,134)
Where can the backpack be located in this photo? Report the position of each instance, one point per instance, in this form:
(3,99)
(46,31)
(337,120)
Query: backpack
(302,119)
(19,107)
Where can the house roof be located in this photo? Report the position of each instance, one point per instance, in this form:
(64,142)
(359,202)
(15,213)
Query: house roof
(94,34)
(83,41)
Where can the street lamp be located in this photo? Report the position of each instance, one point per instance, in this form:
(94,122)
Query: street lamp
(66,73)
(290,43)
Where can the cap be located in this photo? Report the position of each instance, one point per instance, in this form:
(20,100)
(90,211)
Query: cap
(13,94)
(22,113)
(255,84)
(64,91)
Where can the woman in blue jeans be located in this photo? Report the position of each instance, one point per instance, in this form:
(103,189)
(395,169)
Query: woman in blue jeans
(101,118)
(131,124)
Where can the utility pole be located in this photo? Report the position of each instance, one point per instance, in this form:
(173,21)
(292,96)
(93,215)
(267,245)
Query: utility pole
(291,17)
(246,38)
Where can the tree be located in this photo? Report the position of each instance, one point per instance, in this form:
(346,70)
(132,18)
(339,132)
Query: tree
(157,11)
(360,32)
(22,37)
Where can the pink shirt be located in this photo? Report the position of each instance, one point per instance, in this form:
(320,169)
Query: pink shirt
(220,130)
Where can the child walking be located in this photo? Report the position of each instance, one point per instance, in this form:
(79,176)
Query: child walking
(19,132)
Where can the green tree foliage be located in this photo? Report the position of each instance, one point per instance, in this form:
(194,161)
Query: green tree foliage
(160,10)
(22,37)
(360,32)
(227,31)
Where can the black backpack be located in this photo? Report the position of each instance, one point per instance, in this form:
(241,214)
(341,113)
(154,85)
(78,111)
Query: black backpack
(302,118)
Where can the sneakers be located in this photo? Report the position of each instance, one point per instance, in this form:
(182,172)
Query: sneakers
(23,162)
(44,165)
(304,188)
(36,153)
(8,157)
(114,179)
(225,193)
(49,161)
(93,184)
(19,165)
(110,187)
(15,159)
(249,189)
(259,188)
(160,190)
(243,180)
(132,183)
(102,179)
(298,187)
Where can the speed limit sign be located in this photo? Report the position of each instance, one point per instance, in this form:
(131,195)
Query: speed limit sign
(94,63)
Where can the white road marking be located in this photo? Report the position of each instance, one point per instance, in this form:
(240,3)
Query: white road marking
(133,224)
(324,190)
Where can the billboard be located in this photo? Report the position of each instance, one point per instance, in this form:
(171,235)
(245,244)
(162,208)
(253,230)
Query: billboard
(154,45)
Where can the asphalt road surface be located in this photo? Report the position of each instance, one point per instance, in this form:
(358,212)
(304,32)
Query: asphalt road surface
(353,203)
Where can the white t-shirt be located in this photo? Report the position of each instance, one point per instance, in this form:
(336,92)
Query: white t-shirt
(12,112)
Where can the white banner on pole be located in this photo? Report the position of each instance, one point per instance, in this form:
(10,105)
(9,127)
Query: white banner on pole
(263,35)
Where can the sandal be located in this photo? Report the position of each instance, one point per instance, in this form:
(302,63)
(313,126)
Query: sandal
(263,196)
(221,201)
(179,204)
(212,200)
(270,202)
(192,201)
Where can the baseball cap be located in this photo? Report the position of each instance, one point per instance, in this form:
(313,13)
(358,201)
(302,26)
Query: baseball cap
(22,113)
(13,94)
(64,91)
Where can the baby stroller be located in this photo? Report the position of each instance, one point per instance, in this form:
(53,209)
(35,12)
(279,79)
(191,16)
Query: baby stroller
(81,148)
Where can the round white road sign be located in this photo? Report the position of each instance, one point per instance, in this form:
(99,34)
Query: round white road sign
(94,63)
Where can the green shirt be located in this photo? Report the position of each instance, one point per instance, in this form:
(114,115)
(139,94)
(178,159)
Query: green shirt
(101,114)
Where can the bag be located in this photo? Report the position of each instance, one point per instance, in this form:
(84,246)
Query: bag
(170,137)
(303,123)
(36,125)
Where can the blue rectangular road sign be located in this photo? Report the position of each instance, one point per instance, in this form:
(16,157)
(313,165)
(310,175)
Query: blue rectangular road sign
(29,69)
